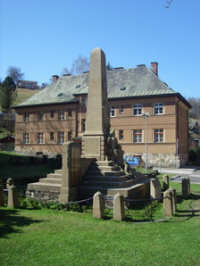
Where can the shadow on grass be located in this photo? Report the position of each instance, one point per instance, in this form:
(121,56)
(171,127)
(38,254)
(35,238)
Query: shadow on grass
(9,220)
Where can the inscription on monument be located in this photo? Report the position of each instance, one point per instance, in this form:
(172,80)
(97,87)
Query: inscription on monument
(92,146)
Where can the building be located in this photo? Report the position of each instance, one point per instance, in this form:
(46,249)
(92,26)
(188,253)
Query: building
(150,119)
(27,84)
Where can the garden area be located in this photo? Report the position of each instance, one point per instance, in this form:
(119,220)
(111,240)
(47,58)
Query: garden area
(54,234)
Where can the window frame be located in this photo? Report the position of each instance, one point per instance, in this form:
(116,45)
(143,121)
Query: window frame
(112,111)
(121,134)
(157,106)
(136,135)
(51,136)
(121,109)
(40,138)
(138,107)
(26,116)
(61,137)
(26,138)
(157,135)
(61,115)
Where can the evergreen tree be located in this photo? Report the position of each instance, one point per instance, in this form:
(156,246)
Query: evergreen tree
(7,94)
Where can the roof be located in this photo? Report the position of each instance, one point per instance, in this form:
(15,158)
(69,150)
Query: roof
(133,82)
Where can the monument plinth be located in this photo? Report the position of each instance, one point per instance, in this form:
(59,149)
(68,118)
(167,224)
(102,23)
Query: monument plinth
(97,118)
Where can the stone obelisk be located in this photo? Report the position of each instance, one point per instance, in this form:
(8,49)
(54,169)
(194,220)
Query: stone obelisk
(97,118)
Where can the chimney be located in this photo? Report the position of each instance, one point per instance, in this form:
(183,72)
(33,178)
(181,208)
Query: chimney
(54,78)
(154,66)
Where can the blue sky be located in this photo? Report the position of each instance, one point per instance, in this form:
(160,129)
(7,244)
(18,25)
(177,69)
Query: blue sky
(43,36)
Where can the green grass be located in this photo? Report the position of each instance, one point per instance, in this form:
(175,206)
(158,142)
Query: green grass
(50,237)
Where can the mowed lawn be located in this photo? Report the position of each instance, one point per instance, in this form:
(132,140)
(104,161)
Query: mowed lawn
(51,237)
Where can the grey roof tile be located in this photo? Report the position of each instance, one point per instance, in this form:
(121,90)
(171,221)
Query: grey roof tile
(133,82)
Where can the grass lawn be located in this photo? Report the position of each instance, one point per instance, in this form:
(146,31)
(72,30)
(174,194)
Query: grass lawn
(51,237)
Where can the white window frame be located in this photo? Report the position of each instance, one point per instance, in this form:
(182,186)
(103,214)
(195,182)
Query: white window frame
(61,137)
(158,135)
(26,138)
(158,109)
(112,111)
(137,109)
(137,136)
(40,138)
(61,115)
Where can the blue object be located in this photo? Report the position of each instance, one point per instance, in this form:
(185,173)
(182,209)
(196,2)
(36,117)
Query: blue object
(132,160)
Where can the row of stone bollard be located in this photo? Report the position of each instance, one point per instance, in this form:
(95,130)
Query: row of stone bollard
(185,185)
(12,196)
(99,206)
(169,202)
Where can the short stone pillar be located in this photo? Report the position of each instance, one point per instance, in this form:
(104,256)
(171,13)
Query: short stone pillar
(98,206)
(155,189)
(167,203)
(173,190)
(1,194)
(118,207)
(185,187)
(12,196)
(165,182)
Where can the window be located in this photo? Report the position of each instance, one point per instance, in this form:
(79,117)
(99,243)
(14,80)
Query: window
(26,117)
(52,114)
(158,135)
(60,137)
(82,125)
(121,109)
(158,109)
(51,136)
(137,109)
(40,116)
(112,111)
(137,136)
(69,112)
(61,115)
(40,138)
(121,134)
(26,138)
(69,135)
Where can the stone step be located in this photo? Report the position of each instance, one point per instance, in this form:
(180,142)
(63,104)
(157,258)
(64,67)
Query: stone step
(105,173)
(108,184)
(54,175)
(104,163)
(107,168)
(106,178)
(59,171)
(50,180)
(44,187)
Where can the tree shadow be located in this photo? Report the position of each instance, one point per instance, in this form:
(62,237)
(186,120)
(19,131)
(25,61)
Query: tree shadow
(9,220)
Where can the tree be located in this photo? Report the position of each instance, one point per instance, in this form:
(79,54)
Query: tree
(195,110)
(80,65)
(7,94)
(15,73)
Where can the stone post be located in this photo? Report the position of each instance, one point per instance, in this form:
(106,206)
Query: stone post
(71,172)
(165,182)
(185,187)
(98,206)
(173,199)
(12,195)
(1,194)
(155,189)
(167,203)
(118,208)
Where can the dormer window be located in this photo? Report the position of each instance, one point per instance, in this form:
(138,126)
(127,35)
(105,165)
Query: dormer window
(158,109)
(137,109)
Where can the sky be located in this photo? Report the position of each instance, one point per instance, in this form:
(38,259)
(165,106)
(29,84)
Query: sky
(41,37)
